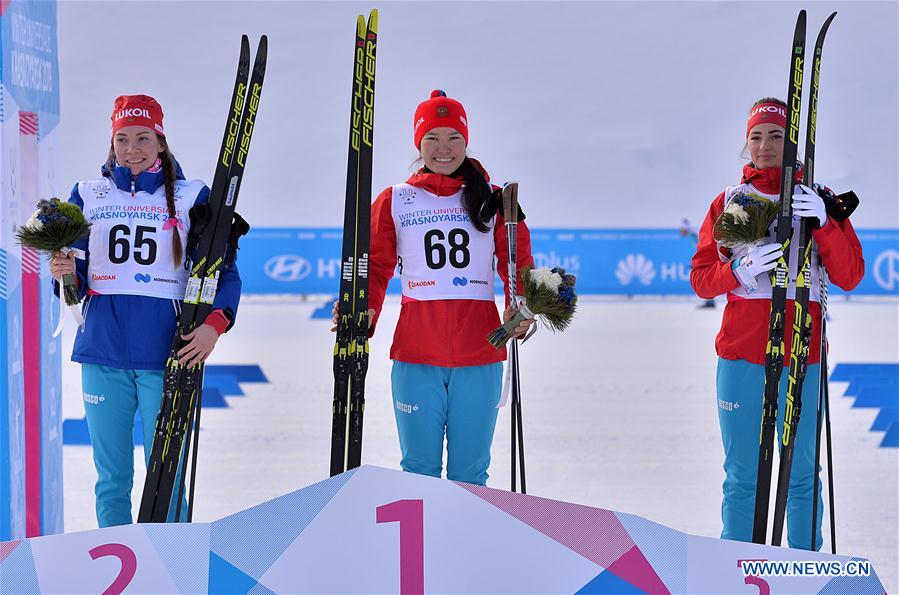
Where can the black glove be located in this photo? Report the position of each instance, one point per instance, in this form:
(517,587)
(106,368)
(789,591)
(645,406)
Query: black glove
(838,206)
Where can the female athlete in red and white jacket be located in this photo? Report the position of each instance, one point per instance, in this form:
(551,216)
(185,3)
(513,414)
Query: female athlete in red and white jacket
(444,229)
(743,337)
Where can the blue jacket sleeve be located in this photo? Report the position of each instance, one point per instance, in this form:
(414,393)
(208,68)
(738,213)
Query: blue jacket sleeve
(80,265)
(227,296)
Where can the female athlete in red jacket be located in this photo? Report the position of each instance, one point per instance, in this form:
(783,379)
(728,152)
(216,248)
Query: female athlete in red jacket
(743,337)
(443,228)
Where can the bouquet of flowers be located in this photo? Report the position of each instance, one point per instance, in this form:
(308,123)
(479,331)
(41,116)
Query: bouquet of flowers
(745,221)
(54,227)
(548,295)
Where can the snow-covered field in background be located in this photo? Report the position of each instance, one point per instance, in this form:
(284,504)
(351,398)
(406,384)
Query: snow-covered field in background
(619,413)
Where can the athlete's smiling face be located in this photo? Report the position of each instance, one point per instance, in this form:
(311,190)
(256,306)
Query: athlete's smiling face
(766,145)
(443,149)
(136,147)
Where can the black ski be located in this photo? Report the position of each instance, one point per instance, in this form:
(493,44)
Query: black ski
(779,278)
(802,319)
(215,245)
(351,346)
(823,408)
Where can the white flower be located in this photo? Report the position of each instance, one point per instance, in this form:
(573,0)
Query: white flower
(547,278)
(739,213)
(34,222)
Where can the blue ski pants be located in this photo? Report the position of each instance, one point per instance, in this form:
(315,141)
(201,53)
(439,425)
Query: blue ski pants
(111,398)
(431,402)
(740,395)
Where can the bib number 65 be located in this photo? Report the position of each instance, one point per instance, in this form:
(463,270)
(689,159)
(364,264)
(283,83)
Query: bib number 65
(120,247)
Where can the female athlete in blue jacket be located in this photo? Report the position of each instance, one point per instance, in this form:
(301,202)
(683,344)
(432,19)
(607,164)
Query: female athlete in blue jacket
(132,280)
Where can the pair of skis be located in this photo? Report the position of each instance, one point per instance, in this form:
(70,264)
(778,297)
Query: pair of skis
(351,346)
(802,321)
(214,233)
(510,214)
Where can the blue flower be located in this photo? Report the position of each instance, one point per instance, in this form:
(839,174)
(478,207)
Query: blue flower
(566,294)
(746,200)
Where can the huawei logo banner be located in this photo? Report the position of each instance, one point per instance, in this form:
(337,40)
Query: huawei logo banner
(306,261)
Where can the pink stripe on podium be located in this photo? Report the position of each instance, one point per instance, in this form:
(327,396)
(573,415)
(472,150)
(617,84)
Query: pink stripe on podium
(31,328)
(31,347)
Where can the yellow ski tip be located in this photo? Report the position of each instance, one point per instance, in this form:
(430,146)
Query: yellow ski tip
(360,26)
(373,21)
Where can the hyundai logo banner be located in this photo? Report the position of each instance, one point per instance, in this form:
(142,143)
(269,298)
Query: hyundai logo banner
(606,261)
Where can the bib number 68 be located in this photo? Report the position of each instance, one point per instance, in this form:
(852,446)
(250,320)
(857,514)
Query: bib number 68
(436,251)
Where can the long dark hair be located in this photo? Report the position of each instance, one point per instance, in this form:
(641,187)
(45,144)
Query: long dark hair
(169,175)
(476,195)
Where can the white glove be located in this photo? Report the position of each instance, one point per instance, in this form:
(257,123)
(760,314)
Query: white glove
(760,259)
(807,203)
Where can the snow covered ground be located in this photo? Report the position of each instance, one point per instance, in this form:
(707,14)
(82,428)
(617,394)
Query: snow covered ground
(619,413)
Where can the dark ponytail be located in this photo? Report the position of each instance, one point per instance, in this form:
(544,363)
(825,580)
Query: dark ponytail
(476,195)
(169,175)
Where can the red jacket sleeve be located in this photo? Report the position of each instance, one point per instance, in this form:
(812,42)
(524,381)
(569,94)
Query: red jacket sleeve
(709,276)
(841,253)
(382,259)
(523,257)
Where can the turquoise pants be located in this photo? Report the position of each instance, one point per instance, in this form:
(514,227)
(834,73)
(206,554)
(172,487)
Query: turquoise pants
(111,398)
(431,402)
(740,392)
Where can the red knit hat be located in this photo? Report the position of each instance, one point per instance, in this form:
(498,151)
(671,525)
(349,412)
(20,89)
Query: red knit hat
(767,113)
(436,112)
(137,110)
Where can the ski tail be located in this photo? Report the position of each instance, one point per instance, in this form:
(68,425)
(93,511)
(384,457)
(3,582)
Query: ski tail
(774,351)
(808,171)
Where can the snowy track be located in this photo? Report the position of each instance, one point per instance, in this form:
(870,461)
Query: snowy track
(619,413)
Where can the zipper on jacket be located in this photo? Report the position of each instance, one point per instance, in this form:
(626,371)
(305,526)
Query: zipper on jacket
(132,187)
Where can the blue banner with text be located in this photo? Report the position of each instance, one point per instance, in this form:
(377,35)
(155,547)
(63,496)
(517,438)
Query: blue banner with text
(606,261)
